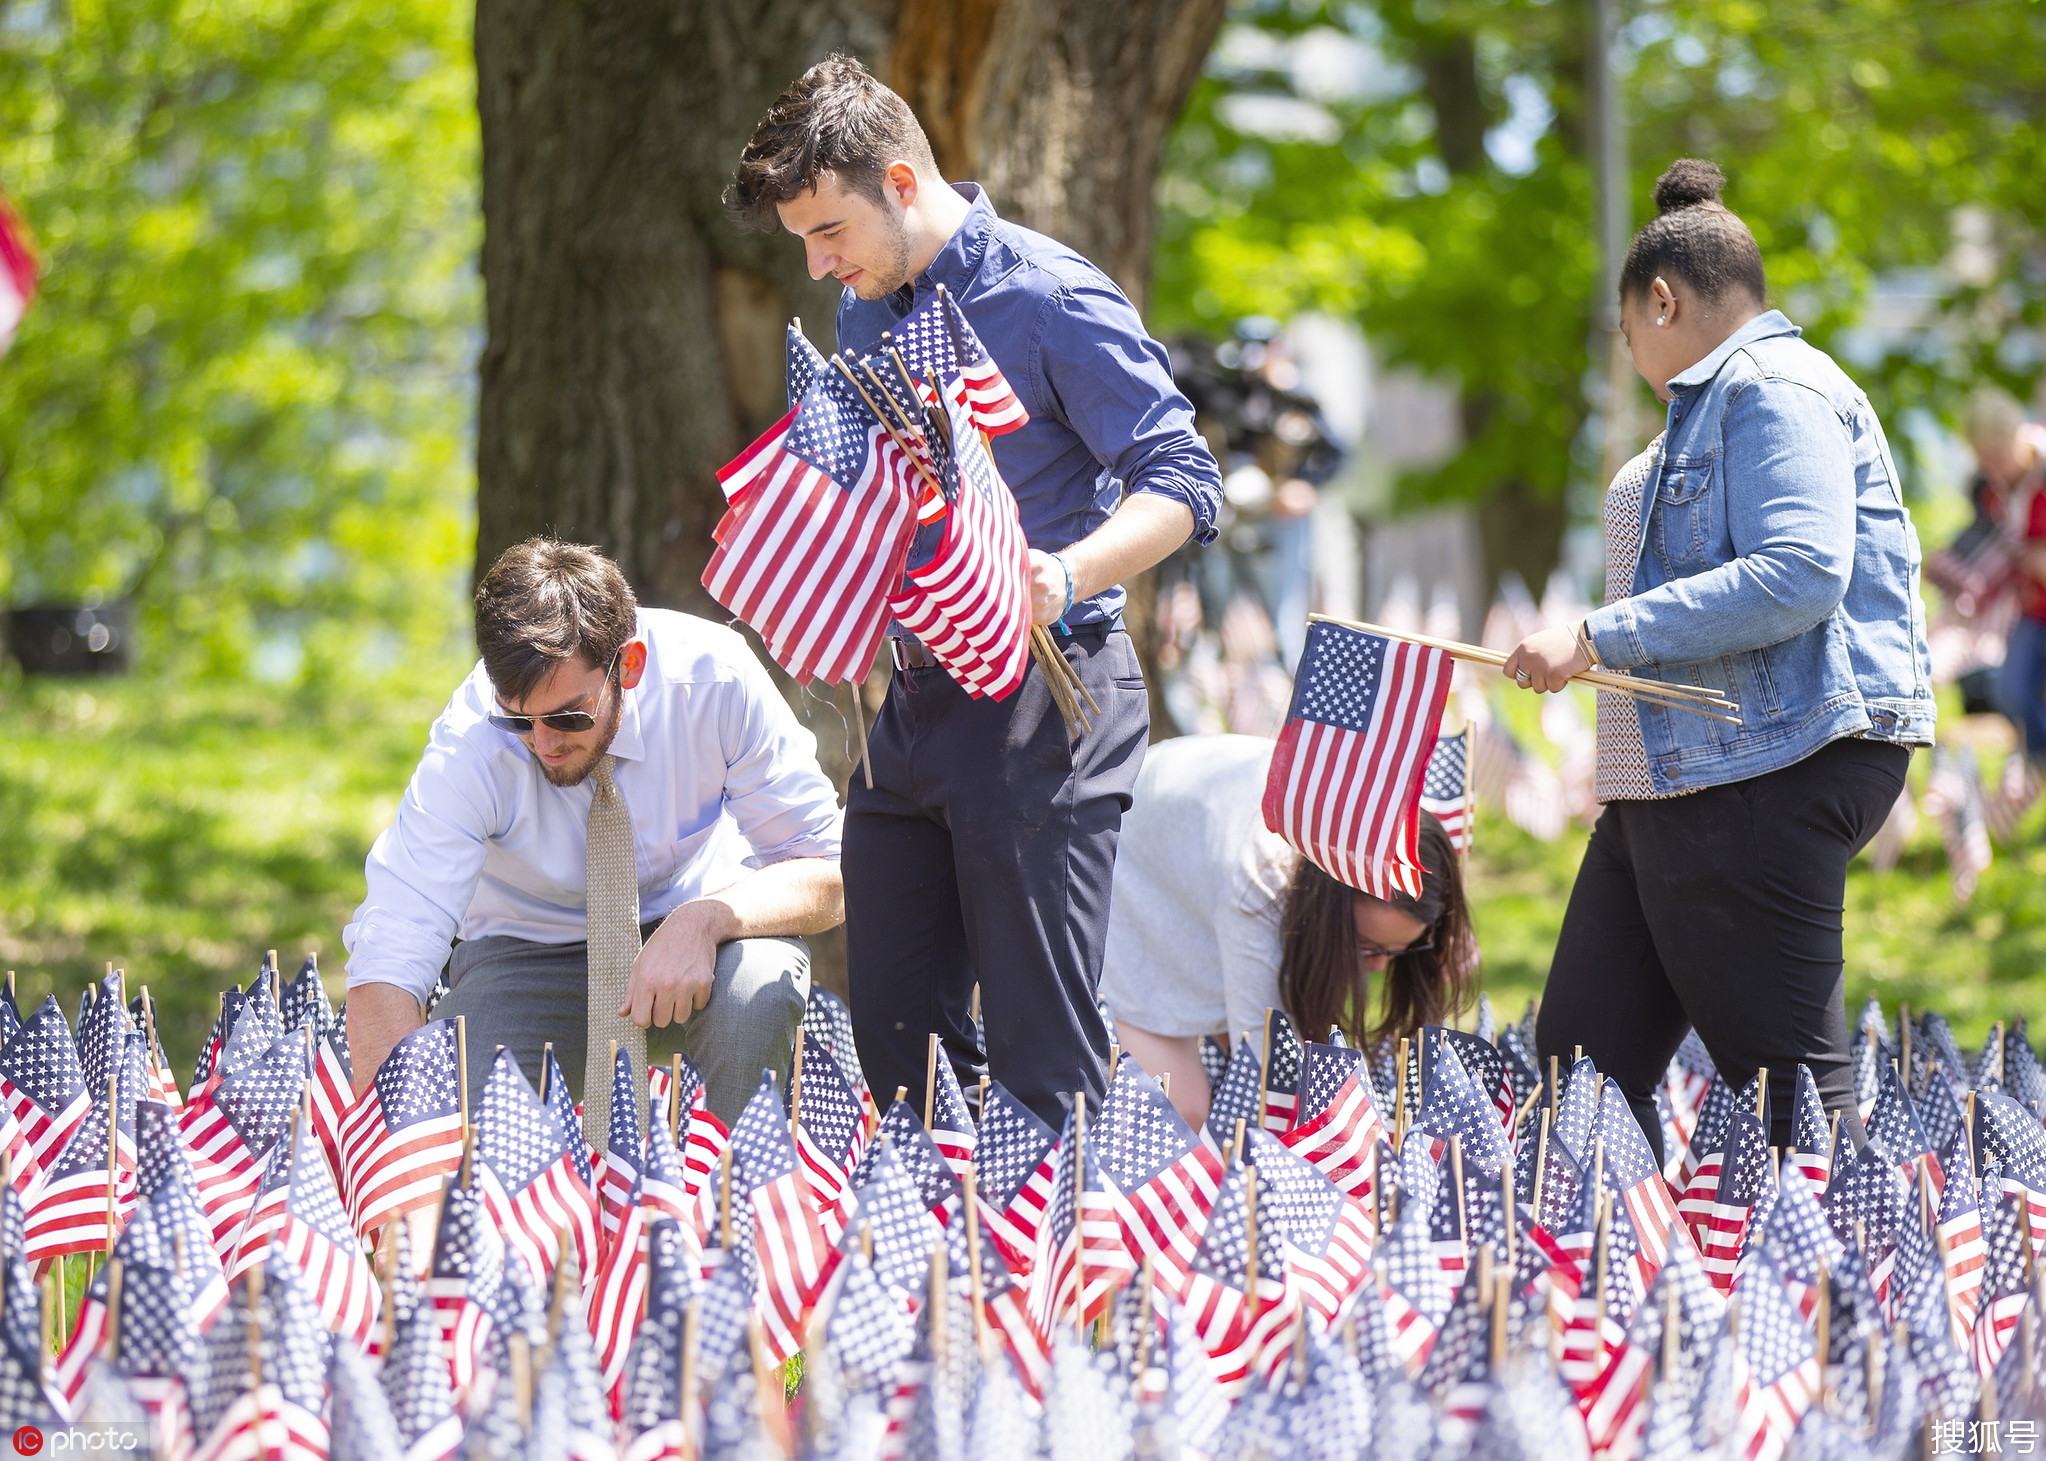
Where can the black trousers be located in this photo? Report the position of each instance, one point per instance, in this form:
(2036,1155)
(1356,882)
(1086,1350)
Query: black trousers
(1721,909)
(984,852)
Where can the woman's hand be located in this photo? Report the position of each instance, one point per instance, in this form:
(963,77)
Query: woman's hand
(1545,661)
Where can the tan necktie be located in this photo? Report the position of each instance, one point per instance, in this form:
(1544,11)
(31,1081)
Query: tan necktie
(611,894)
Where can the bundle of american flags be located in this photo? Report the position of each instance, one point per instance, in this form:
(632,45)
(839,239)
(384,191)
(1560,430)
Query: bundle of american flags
(819,546)
(1445,1249)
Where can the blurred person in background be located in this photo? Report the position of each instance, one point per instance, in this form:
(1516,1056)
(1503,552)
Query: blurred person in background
(1214,920)
(2010,462)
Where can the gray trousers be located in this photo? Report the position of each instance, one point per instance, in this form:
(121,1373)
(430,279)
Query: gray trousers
(522,995)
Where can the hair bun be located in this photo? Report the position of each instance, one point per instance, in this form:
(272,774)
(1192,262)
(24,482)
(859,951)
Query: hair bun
(1688,182)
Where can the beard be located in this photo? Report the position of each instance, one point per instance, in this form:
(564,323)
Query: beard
(893,269)
(575,772)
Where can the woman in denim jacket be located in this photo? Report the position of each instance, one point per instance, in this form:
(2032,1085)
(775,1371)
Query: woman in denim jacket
(1760,548)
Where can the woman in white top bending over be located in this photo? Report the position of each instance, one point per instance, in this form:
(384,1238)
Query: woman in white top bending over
(1215,919)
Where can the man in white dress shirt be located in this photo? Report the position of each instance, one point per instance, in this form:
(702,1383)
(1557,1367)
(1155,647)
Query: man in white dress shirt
(734,832)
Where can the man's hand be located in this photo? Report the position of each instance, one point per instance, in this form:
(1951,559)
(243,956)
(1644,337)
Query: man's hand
(379,1016)
(671,978)
(1047,589)
(1545,660)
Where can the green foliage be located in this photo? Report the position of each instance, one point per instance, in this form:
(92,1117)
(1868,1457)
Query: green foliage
(180,834)
(1329,160)
(244,392)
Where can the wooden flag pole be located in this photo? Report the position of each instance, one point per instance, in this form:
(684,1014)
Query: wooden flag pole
(1823,1333)
(685,1390)
(1500,1288)
(1399,1098)
(796,1091)
(970,1197)
(1541,1165)
(1264,1075)
(462,1065)
(546,1068)
(110,1340)
(1250,1236)
(864,762)
(1463,1221)
(1694,700)
(1080,1184)
(113,1146)
(675,1098)
(1670,1331)
(1555,1086)
(930,1079)
(725,1200)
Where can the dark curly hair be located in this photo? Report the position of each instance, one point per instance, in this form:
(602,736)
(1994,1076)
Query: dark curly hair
(834,119)
(1696,238)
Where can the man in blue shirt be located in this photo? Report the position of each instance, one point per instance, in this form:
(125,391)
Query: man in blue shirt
(984,850)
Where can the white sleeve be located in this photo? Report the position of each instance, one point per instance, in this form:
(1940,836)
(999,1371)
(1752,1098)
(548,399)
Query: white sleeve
(422,871)
(1247,933)
(774,788)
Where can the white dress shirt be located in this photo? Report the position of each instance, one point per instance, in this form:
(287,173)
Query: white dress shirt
(717,771)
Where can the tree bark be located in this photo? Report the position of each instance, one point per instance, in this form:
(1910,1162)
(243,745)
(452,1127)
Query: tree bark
(635,332)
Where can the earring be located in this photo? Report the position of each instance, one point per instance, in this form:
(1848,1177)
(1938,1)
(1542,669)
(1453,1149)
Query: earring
(1662,319)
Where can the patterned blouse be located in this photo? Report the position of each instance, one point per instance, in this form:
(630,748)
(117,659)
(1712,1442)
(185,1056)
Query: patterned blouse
(1621,773)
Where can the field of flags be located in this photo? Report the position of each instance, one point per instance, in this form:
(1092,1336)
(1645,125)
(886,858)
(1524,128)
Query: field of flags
(1448,1252)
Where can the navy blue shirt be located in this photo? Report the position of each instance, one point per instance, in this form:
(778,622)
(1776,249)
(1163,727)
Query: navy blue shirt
(1105,416)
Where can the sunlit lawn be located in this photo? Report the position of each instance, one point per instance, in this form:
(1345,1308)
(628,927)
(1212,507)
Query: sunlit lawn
(181,833)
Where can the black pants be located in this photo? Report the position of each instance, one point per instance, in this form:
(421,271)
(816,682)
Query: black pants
(1721,909)
(984,853)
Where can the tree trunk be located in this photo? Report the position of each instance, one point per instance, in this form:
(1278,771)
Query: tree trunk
(635,331)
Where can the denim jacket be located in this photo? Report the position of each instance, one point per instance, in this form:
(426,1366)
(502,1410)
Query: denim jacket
(1777,564)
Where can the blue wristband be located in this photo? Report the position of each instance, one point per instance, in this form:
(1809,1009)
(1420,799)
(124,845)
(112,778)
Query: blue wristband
(1060,559)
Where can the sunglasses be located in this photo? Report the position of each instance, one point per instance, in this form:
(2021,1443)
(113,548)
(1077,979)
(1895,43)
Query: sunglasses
(568,722)
(1420,945)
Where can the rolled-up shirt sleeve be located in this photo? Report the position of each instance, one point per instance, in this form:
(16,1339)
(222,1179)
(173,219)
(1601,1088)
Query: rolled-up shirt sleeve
(422,871)
(1113,385)
(774,788)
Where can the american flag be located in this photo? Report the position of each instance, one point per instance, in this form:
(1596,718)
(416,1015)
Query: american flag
(1340,1126)
(1939,1112)
(828,1022)
(970,602)
(953,1130)
(1894,1129)
(208,1064)
(618,1166)
(405,1135)
(1235,1097)
(2017,1143)
(1775,1365)
(938,345)
(652,1409)
(526,1169)
(1412,1286)
(701,1137)
(664,1184)
(1453,1108)
(88,1190)
(562,1103)
(1744,1173)
(805,364)
(1164,1177)
(1445,790)
(1328,1235)
(613,1299)
(1811,1147)
(794,1261)
(17,273)
(462,1283)
(1482,1061)
(1708,1148)
(294,1345)
(1867,1204)
(1345,781)
(1631,1173)
(891,1221)
(2006,1286)
(1283,1057)
(821,513)
(359,1423)
(103,1029)
(571,1418)
(42,1082)
(868,1332)
(1613,1413)
(416,1388)
(229,1134)
(1962,1247)
(831,1132)
(1014,1175)
(1081,1257)
(1004,1297)
(1239,1303)
(1802,1243)
(313,1235)
(919,1156)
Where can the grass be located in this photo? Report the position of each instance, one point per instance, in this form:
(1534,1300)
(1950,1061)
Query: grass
(1907,938)
(180,833)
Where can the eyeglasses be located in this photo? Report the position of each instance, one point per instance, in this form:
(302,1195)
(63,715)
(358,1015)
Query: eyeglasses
(1374,951)
(568,722)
